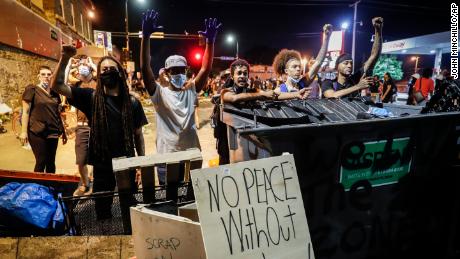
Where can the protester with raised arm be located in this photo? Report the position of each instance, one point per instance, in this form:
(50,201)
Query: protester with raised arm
(115,118)
(288,63)
(349,84)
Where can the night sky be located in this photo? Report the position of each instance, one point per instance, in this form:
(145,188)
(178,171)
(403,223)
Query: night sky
(263,27)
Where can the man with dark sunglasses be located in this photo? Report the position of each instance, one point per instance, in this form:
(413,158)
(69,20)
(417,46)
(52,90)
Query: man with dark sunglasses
(174,97)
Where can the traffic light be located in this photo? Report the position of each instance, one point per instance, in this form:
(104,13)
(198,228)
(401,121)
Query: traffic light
(197,56)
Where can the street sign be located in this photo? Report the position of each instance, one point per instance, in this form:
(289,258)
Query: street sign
(103,39)
(155,35)
(225,58)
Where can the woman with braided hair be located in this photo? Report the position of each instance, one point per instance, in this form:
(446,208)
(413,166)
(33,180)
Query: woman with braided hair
(116,119)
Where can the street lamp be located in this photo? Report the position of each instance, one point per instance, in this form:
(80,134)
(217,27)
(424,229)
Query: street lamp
(126,22)
(344,27)
(91,14)
(416,62)
(231,39)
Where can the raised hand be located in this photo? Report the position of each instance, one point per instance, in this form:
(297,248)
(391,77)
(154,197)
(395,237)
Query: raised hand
(150,23)
(211,29)
(327,30)
(68,51)
(377,22)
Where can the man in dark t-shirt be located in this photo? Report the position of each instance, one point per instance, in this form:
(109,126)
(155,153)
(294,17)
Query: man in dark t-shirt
(349,84)
(115,118)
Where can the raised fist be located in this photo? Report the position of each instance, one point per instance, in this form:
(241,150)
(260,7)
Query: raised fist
(377,22)
(68,51)
(327,29)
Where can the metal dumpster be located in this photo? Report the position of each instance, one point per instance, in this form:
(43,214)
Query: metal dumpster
(372,188)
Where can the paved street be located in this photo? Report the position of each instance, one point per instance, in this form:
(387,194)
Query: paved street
(15,157)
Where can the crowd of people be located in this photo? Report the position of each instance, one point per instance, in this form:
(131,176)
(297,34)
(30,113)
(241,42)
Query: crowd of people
(110,117)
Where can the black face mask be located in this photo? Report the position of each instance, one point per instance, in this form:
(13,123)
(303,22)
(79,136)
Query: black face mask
(110,79)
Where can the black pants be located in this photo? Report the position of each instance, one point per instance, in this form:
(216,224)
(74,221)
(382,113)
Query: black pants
(44,150)
(104,181)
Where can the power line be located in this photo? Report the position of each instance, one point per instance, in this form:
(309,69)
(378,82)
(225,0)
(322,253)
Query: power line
(396,10)
(403,5)
(278,3)
(308,33)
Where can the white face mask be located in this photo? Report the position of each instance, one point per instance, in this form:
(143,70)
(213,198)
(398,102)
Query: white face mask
(84,71)
(178,80)
(293,80)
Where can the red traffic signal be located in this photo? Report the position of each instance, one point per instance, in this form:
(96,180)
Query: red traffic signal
(195,56)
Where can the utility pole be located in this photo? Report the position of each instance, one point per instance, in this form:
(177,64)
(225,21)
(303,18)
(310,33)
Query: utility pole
(126,24)
(355,5)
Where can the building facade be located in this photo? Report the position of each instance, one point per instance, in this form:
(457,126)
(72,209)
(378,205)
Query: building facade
(32,33)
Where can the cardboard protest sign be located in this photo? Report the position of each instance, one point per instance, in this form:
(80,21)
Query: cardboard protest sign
(159,235)
(252,209)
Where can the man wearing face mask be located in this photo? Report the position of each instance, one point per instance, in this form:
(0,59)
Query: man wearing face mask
(83,78)
(237,90)
(174,97)
(115,118)
(288,63)
(348,84)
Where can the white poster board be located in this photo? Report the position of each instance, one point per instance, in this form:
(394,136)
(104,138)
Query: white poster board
(335,42)
(252,209)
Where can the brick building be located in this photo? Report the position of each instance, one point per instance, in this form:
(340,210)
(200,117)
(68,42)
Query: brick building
(31,34)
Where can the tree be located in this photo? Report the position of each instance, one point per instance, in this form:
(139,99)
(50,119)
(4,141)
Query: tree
(389,63)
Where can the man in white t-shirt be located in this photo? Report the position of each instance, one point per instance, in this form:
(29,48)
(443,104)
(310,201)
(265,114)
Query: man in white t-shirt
(174,97)
(176,125)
